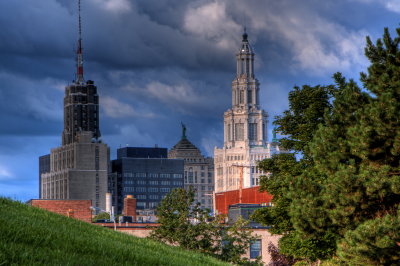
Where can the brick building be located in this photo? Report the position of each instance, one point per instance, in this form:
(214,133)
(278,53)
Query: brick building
(78,209)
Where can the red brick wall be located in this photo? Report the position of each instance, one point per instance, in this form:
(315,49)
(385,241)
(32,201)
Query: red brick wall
(78,209)
(249,195)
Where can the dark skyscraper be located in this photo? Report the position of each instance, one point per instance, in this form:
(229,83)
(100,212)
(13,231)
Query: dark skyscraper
(81,111)
(81,102)
(145,173)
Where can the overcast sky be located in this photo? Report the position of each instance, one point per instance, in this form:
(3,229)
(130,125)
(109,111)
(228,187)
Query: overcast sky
(159,62)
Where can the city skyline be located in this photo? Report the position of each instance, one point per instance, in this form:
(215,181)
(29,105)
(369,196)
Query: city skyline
(157,63)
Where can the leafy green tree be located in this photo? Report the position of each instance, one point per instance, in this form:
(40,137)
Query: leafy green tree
(101,216)
(185,224)
(278,259)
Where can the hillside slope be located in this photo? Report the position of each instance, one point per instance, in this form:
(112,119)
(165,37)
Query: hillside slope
(31,236)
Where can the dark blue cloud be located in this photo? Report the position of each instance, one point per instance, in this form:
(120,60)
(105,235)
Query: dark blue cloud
(159,62)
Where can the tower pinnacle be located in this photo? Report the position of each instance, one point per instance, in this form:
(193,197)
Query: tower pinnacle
(79,55)
(244,35)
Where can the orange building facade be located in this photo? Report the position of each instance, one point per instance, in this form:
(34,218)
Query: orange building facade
(249,195)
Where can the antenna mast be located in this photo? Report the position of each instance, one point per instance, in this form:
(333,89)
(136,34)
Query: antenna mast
(79,55)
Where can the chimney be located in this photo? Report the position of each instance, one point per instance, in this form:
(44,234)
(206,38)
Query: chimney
(108,202)
(130,207)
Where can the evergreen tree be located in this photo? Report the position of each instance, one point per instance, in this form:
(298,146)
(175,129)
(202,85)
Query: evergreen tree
(307,106)
(374,242)
(346,187)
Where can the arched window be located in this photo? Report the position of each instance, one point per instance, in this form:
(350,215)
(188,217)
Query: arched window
(249,96)
(190,179)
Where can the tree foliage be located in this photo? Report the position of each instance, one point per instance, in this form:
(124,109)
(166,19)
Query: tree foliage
(341,198)
(185,224)
(101,216)
(278,259)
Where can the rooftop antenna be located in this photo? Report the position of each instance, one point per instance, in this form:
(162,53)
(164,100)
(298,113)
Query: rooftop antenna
(79,55)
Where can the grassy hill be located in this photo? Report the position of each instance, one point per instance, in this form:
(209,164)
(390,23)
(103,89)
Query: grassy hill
(31,236)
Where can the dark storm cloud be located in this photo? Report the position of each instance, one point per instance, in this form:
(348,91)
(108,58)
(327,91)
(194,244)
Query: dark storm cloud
(159,62)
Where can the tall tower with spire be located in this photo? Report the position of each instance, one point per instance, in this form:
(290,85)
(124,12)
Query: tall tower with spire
(245,128)
(81,101)
(78,168)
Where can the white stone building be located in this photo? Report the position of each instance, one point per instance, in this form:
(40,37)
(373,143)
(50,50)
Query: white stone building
(245,129)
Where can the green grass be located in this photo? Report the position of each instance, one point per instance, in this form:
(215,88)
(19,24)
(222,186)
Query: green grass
(31,236)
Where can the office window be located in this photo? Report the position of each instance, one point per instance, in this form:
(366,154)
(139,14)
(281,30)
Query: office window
(141,196)
(253,131)
(141,204)
(165,189)
(164,176)
(202,174)
(177,176)
(239,131)
(152,189)
(177,183)
(190,175)
(153,197)
(255,249)
(141,189)
(153,204)
(140,174)
(249,96)
(165,183)
(153,175)
(141,182)
(153,183)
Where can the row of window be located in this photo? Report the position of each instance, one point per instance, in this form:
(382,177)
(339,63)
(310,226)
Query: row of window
(151,205)
(152,175)
(191,180)
(153,182)
(152,197)
(147,189)
(236,132)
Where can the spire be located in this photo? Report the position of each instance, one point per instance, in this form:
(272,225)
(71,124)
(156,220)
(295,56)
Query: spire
(244,35)
(79,55)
